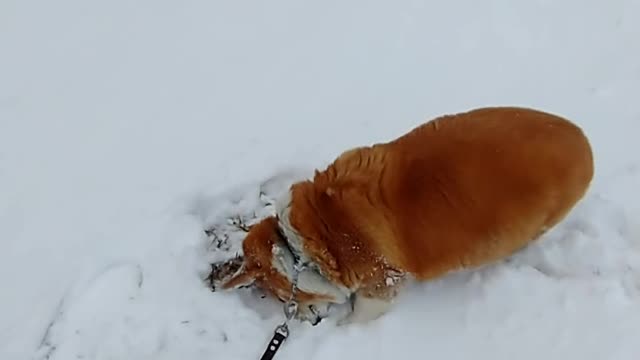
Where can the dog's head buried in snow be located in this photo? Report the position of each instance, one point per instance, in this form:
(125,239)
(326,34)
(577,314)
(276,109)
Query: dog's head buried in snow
(457,192)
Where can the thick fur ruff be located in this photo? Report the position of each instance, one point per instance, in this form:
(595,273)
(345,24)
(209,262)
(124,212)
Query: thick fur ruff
(460,191)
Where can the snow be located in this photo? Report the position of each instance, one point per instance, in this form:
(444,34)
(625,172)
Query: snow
(128,127)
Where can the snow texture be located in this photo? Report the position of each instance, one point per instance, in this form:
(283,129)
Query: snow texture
(128,128)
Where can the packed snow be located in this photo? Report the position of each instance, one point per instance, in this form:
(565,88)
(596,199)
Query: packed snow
(128,128)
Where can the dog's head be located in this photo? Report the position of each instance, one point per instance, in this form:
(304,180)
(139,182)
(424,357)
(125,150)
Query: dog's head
(255,266)
(268,263)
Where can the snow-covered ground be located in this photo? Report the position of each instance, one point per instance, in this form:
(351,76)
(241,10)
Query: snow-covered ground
(127,127)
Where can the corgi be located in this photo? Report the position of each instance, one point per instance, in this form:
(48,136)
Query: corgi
(457,192)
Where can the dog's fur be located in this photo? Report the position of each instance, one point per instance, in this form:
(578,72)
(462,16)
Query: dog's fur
(458,192)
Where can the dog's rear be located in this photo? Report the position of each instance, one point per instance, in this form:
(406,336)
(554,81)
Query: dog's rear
(471,188)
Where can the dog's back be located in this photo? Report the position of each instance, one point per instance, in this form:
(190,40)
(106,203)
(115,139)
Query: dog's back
(467,189)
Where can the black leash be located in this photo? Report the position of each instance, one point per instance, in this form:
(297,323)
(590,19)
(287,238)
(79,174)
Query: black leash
(279,336)
(282,331)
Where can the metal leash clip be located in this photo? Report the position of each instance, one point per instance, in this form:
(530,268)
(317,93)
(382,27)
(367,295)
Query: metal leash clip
(290,310)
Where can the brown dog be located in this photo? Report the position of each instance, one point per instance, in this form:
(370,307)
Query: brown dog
(457,192)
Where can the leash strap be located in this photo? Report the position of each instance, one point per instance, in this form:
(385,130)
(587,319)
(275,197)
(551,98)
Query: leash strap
(279,336)
(282,331)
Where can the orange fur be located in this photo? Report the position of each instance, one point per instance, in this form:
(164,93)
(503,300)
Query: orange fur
(459,191)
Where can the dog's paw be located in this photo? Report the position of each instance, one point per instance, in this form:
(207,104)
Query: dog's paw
(365,309)
(313,312)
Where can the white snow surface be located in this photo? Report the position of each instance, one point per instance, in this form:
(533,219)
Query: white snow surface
(128,127)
